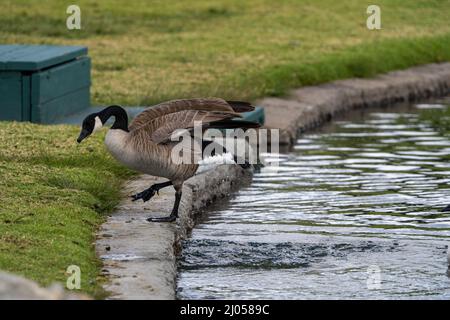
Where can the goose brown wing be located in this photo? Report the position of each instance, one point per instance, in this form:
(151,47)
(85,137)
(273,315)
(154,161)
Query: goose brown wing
(174,106)
(162,128)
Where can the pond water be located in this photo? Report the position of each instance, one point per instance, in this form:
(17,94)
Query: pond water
(354,211)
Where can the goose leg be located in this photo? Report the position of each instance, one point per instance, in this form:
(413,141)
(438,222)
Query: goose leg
(147,194)
(174,214)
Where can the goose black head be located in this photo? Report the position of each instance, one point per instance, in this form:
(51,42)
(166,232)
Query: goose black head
(90,124)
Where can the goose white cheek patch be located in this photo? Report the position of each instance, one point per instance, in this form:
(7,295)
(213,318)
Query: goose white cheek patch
(98,124)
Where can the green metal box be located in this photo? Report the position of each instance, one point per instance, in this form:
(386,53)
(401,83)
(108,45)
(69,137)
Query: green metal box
(43,83)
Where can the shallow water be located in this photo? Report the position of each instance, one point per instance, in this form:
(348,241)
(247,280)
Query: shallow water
(352,212)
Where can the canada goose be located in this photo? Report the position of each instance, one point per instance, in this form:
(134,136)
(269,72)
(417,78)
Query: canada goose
(146,145)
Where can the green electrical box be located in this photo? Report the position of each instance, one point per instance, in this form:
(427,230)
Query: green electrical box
(41,83)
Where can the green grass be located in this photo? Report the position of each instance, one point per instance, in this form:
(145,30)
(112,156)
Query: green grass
(54,194)
(148,51)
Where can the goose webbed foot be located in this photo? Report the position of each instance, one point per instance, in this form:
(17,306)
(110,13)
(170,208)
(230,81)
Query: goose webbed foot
(170,218)
(174,214)
(145,195)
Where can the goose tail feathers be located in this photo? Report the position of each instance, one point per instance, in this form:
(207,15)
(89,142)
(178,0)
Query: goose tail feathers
(241,106)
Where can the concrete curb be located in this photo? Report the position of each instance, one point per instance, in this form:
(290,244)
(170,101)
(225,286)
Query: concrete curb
(139,258)
(15,287)
(309,106)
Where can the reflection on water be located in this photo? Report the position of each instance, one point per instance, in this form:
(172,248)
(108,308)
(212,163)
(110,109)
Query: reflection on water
(352,212)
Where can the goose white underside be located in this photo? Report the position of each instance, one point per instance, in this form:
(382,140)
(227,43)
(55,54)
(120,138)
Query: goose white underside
(214,161)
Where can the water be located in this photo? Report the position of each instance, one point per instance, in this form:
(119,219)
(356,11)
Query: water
(352,212)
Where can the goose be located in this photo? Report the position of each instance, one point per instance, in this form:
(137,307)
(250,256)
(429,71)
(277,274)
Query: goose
(145,145)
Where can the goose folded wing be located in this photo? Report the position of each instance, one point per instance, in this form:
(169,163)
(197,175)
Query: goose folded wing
(200,104)
(165,128)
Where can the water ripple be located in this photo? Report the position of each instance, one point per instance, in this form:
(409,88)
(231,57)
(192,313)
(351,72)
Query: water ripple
(362,192)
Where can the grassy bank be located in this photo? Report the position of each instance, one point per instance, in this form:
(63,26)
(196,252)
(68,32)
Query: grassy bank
(54,194)
(147,51)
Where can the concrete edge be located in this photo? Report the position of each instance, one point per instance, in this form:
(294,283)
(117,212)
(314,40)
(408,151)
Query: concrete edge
(308,107)
(140,258)
(16,287)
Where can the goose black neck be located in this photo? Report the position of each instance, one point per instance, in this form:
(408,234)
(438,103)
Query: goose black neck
(120,115)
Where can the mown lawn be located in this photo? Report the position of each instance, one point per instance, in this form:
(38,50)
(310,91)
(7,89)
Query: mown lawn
(54,193)
(147,51)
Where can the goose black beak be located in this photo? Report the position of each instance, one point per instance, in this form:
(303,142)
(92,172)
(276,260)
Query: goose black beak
(83,135)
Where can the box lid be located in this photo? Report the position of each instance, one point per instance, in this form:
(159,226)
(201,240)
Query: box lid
(36,57)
